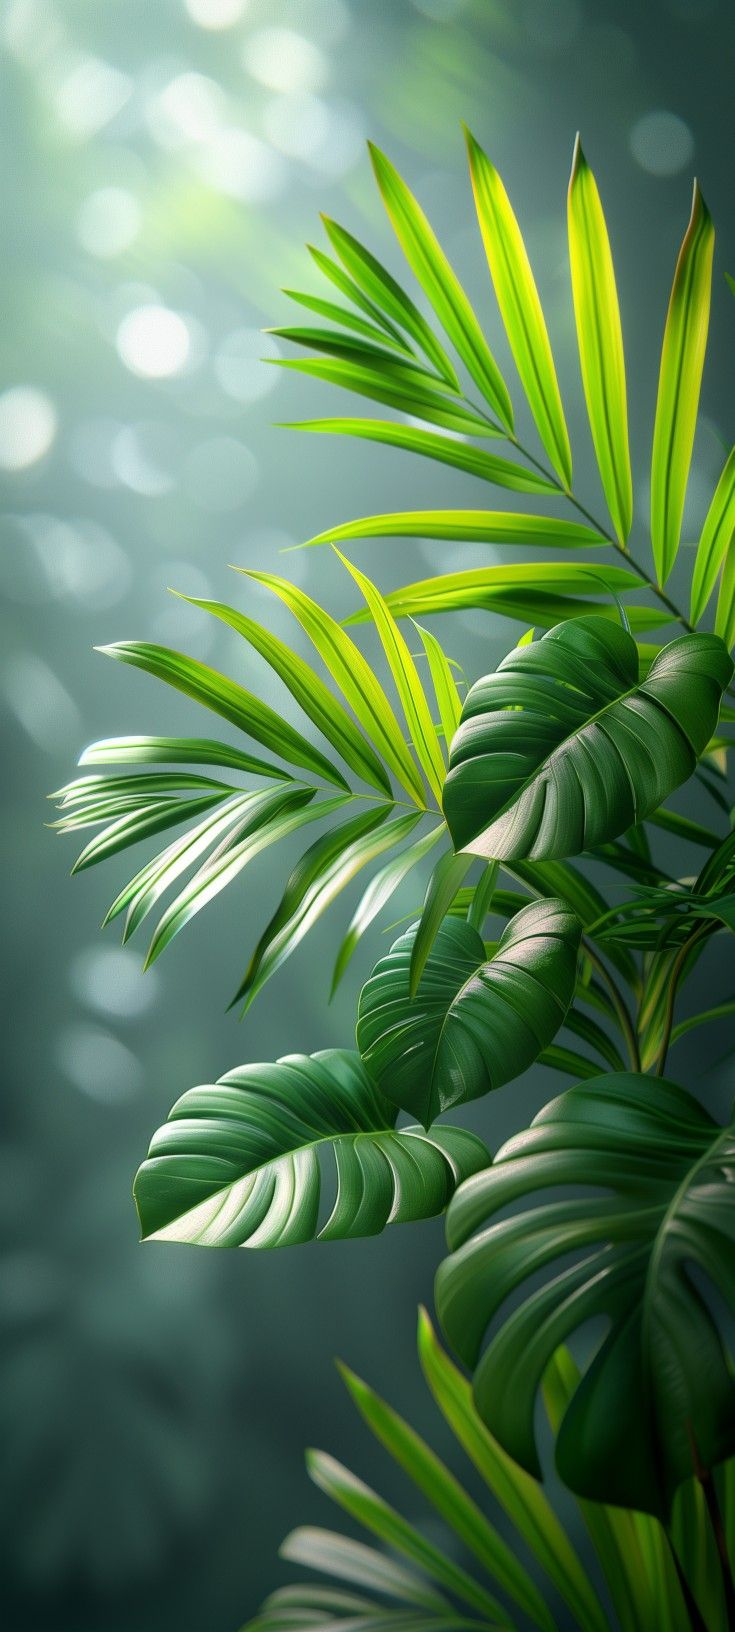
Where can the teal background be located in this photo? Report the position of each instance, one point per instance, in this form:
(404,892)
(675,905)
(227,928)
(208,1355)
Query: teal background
(154,1403)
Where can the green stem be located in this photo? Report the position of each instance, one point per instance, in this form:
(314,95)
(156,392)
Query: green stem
(696,1617)
(705,1480)
(674,978)
(707,1486)
(624,1019)
(676,613)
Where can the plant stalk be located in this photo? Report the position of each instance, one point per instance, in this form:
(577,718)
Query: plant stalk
(676,613)
(709,1492)
(693,1610)
(676,972)
(706,1482)
(621,1009)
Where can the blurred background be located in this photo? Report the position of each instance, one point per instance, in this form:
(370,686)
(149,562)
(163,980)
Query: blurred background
(163,162)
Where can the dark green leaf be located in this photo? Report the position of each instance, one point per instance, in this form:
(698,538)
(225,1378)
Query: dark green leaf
(562,748)
(660,1384)
(474,1024)
(237,1162)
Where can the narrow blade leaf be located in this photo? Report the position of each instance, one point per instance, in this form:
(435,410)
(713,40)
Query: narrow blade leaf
(354,677)
(326,869)
(422,730)
(444,450)
(448,699)
(522,589)
(268,825)
(680,378)
(520,307)
(370,1510)
(175,750)
(474,526)
(717,535)
(349,320)
(725,614)
(224,697)
(521,1496)
(447,1496)
(395,385)
(383,290)
(379,891)
(446,879)
(310,692)
(600,341)
(347,286)
(440,283)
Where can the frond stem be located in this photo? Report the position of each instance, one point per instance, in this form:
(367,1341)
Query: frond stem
(566,493)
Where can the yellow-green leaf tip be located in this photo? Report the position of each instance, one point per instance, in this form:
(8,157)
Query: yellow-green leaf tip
(579,161)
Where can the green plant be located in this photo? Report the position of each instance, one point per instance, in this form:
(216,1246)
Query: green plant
(548,776)
(531,1562)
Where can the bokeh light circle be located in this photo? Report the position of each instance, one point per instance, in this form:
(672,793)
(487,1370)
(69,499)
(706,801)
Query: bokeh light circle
(154,342)
(661,143)
(28,425)
(108,222)
(216,14)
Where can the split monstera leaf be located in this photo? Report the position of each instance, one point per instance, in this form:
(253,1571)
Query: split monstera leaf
(237,1163)
(475,1022)
(652,1236)
(564,747)
(570,749)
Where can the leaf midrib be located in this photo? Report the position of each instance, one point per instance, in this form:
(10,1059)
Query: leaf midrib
(660,1242)
(297,1150)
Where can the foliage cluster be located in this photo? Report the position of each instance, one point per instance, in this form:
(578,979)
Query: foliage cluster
(519,792)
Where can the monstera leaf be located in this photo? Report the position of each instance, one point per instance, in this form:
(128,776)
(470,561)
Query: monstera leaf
(563,747)
(475,1022)
(655,1259)
(237,1163)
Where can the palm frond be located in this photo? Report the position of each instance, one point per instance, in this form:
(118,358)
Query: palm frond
(229,821)
(401,1582)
